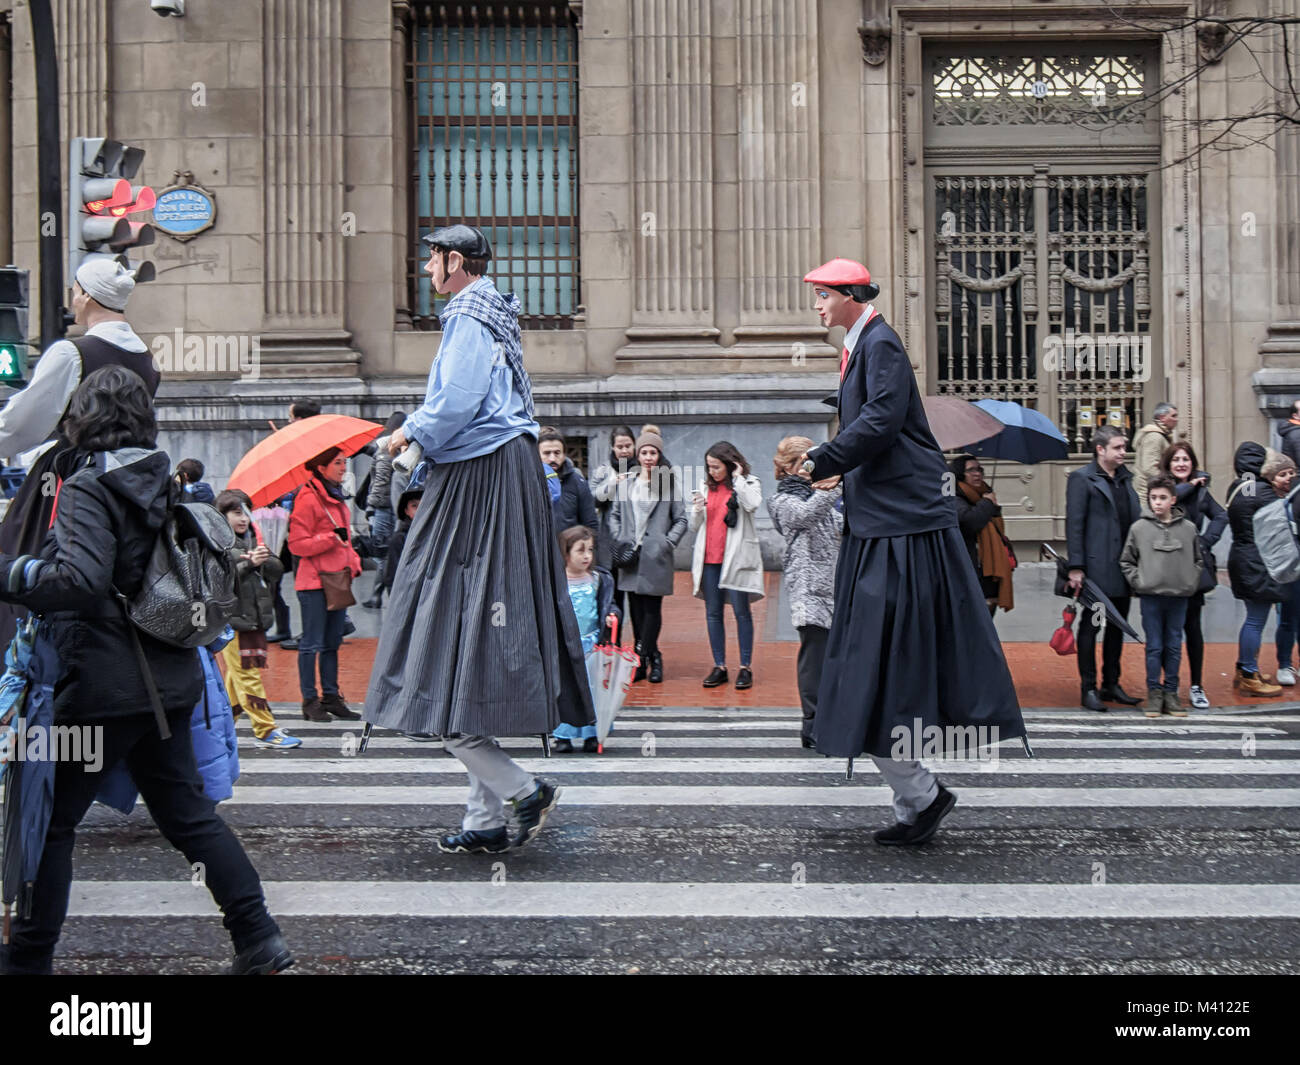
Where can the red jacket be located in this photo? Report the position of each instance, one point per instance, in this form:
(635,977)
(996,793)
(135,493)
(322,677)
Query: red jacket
(312,538)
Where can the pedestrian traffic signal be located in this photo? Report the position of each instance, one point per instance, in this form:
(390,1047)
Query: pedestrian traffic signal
(100,197)
(13,326)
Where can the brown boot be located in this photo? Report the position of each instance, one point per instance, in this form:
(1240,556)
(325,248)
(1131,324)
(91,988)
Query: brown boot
(1155,702)
(1173,706)
(334,704)
(313,711)
(1253,685)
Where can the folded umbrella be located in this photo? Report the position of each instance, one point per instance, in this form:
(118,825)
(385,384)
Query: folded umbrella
(273,524)
(1090,594)
(609,672)
(274,468)
(1027,435)
(958,423)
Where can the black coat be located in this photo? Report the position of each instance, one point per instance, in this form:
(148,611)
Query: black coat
(894,473)
(575,506)
(971,518)
(1290,434)
(1246,570)
(1094,529)
(105,527)
(256,609)
(396,544)
(605,604)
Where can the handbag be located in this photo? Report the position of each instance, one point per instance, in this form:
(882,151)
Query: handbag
(337,586)
(625,553)
(1062,641)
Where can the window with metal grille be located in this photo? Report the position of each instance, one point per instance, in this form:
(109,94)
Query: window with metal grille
(493,89)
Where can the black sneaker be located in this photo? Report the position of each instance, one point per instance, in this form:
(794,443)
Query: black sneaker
(349,626)
(591,745)
(744,679)
(289,644)
(533,811)
(562,746)
(266,958)
(717,677)
(893,836)
(928,821)
(474,841)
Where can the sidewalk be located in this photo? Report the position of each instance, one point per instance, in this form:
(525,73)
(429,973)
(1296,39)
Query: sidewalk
(1042,678)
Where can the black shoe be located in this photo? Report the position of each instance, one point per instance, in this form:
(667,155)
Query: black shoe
(718,676)
(1092,701)
(656,669)
(642,664)
(263,959)
(744,679)
(928,821)
(313,711)
(348,627)
(806,742)
(533,811)
(591,745)
(289,644)
(1117,694)
(473,841)
(375,602)
(562,747)
(334,704)
(277,637)
(892,836)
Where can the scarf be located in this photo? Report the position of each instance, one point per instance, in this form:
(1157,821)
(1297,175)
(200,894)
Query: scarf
(252,650)
(995,558)
(791,484)
(334,490)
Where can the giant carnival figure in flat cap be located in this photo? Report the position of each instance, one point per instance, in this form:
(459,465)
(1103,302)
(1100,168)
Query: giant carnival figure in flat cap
(479,639)
(912,659)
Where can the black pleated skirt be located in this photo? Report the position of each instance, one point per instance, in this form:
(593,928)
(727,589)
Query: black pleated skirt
(479,637)
(911,647)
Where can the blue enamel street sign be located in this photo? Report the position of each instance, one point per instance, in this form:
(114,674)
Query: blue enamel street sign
(184,210)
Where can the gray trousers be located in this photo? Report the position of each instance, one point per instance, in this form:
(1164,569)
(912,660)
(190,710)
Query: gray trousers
(494,777)
(914,787)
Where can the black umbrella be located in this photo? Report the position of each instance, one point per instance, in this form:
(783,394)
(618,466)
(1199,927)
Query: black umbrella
(1090,594)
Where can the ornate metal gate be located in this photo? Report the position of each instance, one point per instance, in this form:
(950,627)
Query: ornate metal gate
(1043,293)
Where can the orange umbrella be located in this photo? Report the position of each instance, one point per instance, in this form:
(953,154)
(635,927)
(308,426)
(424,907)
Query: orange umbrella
(274,468)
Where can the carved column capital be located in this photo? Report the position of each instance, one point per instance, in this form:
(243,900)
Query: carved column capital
(874,33)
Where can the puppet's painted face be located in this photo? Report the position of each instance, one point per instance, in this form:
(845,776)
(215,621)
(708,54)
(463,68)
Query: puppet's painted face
(835,308)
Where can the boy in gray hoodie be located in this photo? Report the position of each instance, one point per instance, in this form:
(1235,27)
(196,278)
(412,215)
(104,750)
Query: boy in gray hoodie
(1161,561)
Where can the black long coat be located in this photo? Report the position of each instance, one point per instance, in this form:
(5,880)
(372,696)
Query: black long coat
(912,648)
(1095,530)
(1246,570)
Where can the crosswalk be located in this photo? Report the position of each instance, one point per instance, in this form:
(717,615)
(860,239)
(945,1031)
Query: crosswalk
(708,840)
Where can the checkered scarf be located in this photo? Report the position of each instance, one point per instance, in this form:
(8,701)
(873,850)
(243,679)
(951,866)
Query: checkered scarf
(500,313)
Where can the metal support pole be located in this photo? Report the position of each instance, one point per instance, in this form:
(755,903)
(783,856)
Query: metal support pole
(49,175)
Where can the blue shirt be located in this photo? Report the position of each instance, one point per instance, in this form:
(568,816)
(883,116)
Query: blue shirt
(471,406)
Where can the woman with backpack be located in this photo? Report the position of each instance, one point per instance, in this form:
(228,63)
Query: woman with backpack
(646,523)
(1202,510)
(1246,570)
(107,522)
(727,563)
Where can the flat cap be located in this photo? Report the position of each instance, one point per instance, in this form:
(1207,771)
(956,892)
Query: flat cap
(467,240)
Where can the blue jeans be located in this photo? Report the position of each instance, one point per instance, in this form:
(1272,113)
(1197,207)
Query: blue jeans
(322,632)
(713,604)
(1162,625)
(1288,617)
(381,528)
(1252,633)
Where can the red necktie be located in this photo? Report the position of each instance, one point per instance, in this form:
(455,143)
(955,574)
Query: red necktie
(844,362)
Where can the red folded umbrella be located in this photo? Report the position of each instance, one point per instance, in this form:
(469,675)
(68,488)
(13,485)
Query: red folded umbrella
(274,468)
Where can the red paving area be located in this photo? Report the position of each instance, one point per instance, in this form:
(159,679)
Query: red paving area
(1042,678)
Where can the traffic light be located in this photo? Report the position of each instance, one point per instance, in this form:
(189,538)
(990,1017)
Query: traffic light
(100,197)
(13,326)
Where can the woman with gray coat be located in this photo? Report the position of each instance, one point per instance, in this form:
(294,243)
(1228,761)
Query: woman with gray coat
(808,522)
(727,564)
(646,522)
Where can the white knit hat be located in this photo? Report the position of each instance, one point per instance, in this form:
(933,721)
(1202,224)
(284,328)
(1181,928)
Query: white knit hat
(106,282)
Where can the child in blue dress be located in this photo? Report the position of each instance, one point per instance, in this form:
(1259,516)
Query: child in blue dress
(591,590)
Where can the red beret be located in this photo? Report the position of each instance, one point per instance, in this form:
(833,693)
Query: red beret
(839,272)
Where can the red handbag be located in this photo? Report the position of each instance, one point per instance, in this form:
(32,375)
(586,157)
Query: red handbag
(1062,641)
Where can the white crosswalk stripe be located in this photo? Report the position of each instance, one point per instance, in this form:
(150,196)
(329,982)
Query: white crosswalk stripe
(699,814)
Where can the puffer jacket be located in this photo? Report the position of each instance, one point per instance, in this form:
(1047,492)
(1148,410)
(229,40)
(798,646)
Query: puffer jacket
(1162,558)
(1246,570)
(107,520)
(312,539)
(256,608)
(381,478)
(811,529)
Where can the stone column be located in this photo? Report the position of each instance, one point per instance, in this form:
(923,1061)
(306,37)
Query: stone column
(82,37)
(673,271)
(302,138)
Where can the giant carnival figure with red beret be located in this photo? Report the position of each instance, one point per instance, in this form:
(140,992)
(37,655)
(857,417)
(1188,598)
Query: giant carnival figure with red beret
(912,660)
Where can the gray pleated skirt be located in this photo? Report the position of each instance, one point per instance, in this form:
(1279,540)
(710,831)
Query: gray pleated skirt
(479,637)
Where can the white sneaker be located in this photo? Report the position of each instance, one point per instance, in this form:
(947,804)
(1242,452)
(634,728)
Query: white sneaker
(1199,699)
(1285,675)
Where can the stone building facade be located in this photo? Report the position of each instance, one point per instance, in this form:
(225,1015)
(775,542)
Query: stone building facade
(656,176)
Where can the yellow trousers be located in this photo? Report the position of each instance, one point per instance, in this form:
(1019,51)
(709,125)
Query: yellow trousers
(246,692)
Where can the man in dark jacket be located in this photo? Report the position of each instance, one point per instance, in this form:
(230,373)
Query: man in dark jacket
(1100,505)
(912,658)
(1289,431)
(575,506)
